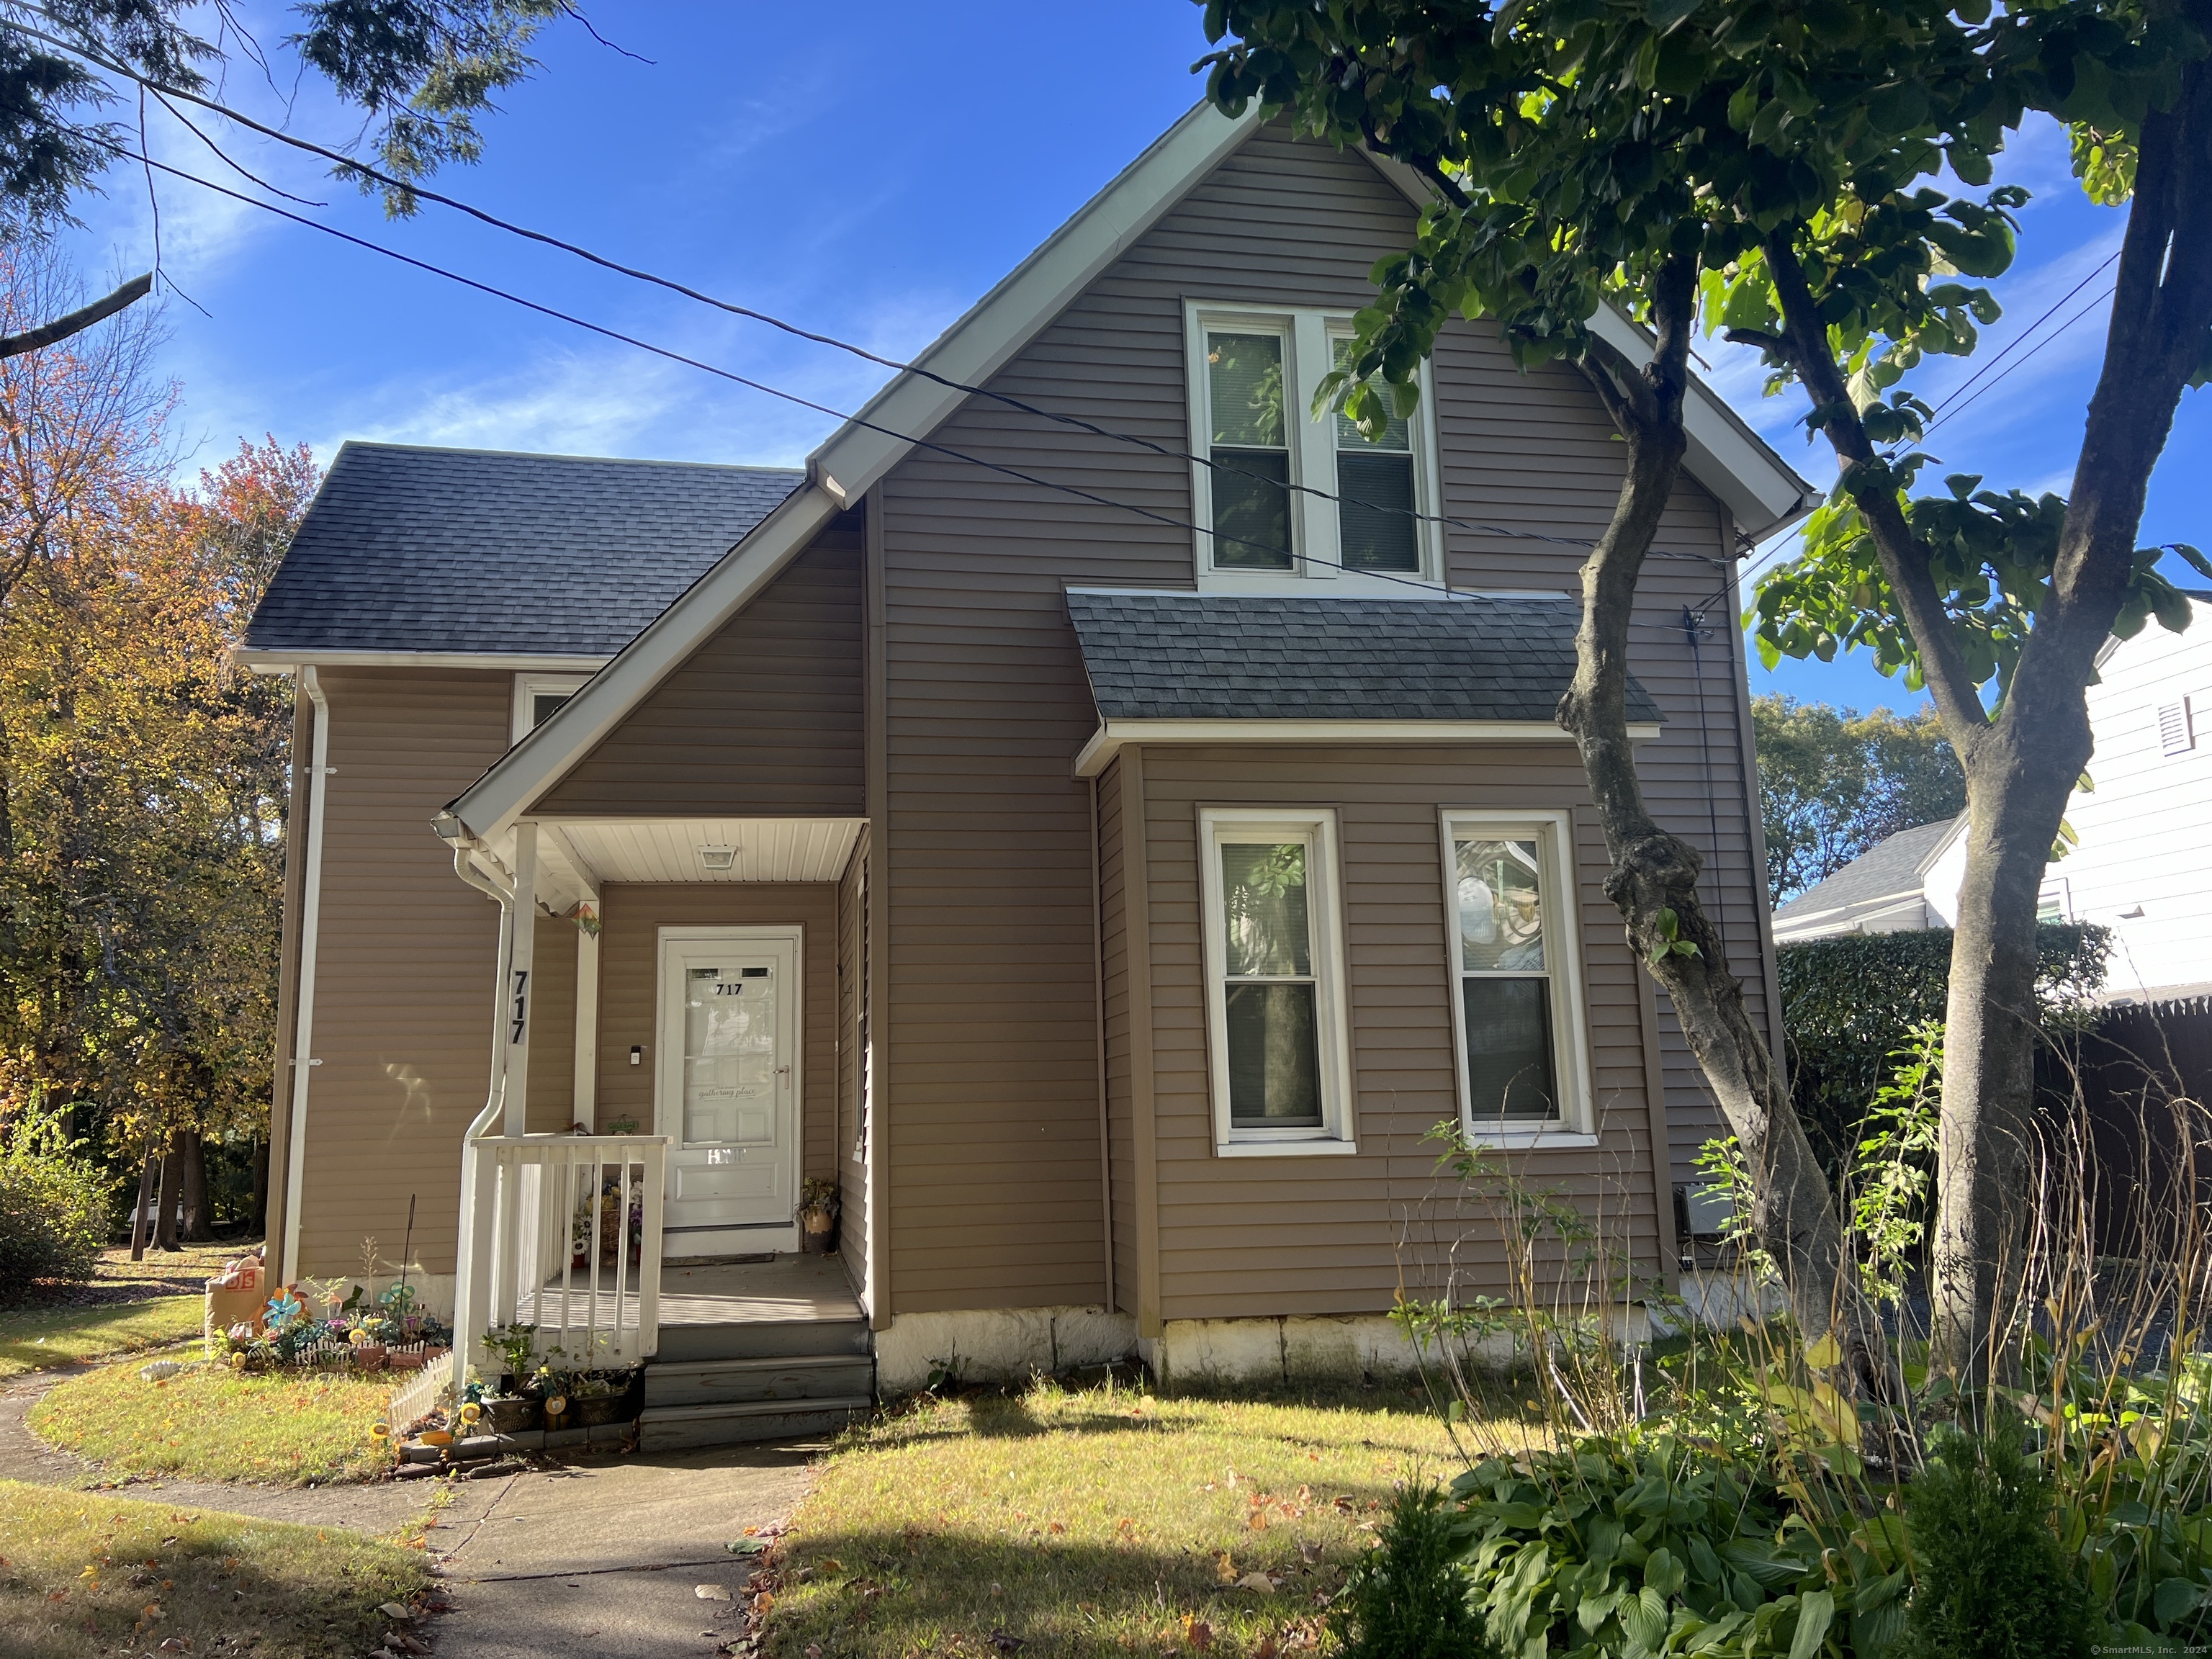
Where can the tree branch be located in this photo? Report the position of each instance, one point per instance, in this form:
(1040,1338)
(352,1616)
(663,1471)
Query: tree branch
(1804,344)
(15,345)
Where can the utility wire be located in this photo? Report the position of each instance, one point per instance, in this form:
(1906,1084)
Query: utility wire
(164,91)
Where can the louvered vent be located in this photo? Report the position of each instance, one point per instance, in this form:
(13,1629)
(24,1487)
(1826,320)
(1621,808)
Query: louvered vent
(2176,732)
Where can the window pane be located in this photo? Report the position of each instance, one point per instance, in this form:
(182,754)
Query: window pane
(1263,890)
(1252,510)
(543,703)
(1245,373)
(1508,1049)
(1274,1064)
(1375,527)
(1501,911)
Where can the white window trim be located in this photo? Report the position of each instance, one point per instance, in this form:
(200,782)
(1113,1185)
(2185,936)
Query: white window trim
(529,686)
(1308,356)
(1336,1134)
(1554,833)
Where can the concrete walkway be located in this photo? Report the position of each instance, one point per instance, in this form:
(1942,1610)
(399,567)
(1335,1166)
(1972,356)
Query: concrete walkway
(604,1556)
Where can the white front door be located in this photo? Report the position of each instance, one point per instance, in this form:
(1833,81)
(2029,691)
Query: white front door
(727,1088)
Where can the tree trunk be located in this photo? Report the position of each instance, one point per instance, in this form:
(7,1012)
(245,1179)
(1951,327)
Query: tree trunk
(2022,768)
(199,1220)
(141,1219)
(1653,881)
(165,1212)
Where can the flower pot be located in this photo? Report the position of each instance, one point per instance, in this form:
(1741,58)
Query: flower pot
(591,1410)
(817,1232)
(512,1414)
(370,1356)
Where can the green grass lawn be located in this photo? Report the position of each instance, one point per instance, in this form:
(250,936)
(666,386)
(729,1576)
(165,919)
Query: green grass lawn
(210,1424)
(38,1338)
(84,1572)
(1093,1522)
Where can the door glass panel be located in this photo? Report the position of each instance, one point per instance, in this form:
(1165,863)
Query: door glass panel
(729,1056)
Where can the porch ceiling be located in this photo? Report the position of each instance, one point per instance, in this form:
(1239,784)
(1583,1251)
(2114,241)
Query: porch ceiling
(668,849)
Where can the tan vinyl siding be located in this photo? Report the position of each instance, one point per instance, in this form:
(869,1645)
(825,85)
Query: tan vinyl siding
(553,1026)
(1333,1234)
(630,976)
(1114,897)
(995,1195)
(404,966)
(852,990)
(764,720)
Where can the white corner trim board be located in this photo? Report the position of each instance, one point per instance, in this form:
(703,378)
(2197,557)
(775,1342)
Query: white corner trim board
(303,1001)
(1112,735)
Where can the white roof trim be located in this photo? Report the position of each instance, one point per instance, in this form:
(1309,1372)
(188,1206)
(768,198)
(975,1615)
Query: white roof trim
(1761,491)
(1112,735)
(287,662)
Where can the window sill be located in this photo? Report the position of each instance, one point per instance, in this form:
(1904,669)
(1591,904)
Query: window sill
(1532,1139)
(1319,1147)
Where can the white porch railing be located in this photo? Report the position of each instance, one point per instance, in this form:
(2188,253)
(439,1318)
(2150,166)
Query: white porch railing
(553,1222)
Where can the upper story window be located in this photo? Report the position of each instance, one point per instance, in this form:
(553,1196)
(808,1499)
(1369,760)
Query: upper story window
(535,697)
(1517,993)
(1287,503)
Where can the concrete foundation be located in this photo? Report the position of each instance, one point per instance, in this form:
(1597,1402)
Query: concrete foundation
(998,1344)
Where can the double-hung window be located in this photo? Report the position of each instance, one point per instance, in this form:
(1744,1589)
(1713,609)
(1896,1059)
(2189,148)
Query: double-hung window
(1516,1001)
(1274,962)
(536,696)
(1288,502)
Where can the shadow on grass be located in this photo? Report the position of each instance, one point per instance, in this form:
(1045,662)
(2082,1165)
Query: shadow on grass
(865,1594)
(32,1339)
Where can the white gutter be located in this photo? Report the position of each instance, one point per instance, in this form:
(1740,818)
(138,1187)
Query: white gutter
(1107,741)
(303,1030)
(284,660)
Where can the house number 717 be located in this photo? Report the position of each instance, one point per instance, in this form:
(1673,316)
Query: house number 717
(522,1004)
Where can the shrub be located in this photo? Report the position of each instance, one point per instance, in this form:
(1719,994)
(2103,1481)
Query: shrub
(54,1206)
(1407,1597)
(1850,1002)
(1994,1579)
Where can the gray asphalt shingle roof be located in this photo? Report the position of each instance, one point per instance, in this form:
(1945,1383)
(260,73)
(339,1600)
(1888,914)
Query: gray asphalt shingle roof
(1218,656)
(408,549)
(1888,869)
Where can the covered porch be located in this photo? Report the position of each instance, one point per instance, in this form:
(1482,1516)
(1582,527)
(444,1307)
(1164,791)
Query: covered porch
(680,1060)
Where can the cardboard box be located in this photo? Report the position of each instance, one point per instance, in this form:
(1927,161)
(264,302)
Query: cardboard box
(229,1308)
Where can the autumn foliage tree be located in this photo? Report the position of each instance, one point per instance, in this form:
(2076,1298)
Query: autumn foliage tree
(142,779)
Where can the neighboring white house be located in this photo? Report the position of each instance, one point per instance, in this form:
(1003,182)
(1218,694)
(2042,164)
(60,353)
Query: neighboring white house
(2143,864)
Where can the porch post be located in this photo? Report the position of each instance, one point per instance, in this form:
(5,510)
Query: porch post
(519,990)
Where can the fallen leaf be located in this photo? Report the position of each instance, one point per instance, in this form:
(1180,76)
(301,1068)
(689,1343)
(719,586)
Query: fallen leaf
(1005,1641)
(712,1592)
(1309,1552)
(394,1610)
(746,1545)
(1197,1633)
(1257,1581)
(1266,1649)
(1225,1568)
(1056,1526)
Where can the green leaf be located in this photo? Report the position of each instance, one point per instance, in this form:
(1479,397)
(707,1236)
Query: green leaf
(1644,1619)
(1664,1573)
(1815,1612)
(2174,1597)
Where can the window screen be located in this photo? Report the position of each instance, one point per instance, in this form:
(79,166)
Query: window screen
(1375,527)
(1271,992)
(1505,978)
(1250,448)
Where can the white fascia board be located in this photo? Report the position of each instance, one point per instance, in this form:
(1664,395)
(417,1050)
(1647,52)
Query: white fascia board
(1761,491)
(289,662)
(1014,313)
(1112,735)
(489,806)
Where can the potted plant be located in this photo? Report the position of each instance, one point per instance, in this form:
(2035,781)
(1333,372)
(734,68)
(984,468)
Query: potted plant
(513,1405)
(817,1216)
(597,1397)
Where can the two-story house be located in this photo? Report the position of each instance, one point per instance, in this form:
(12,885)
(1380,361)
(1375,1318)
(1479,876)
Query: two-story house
(1096,815)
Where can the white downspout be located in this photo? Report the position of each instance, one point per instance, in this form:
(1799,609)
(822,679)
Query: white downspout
(495,1099)
(303,1030)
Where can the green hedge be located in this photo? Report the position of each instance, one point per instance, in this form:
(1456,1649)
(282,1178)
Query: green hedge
(54,1207)
(1847,1003)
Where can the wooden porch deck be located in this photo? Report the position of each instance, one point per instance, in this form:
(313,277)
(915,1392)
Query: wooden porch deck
(790,1290)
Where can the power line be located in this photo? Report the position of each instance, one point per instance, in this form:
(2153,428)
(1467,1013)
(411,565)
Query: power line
(163,93)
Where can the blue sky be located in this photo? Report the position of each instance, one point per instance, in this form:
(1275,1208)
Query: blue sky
(867,170)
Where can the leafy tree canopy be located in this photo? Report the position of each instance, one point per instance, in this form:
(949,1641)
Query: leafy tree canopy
(1833,783)
(422,72)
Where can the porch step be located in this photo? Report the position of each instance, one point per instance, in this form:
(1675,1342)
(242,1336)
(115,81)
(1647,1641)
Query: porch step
(763,1338)
(676,1428)
(793,1378)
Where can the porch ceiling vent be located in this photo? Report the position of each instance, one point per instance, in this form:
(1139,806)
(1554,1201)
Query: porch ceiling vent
(717,858)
